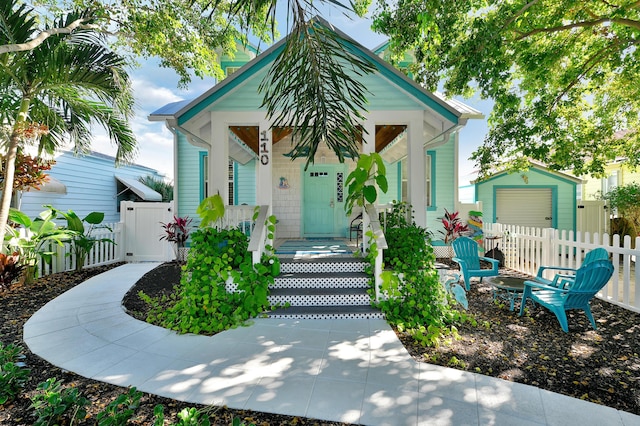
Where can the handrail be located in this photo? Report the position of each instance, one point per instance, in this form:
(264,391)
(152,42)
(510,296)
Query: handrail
(381,244)
(259,235)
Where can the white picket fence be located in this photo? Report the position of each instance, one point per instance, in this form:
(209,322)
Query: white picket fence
(526,249)
(102,253)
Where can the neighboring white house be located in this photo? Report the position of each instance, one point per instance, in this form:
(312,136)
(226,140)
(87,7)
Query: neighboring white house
(225,144)
(89,183)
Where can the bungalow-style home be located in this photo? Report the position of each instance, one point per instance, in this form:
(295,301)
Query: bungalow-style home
(89,183)
(225,144)
(617,174)
(539,197)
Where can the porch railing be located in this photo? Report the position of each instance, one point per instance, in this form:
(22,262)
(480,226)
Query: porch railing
(260,237)
(372,224)
(526,249)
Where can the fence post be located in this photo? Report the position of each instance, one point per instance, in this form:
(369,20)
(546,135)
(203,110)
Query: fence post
(548,249)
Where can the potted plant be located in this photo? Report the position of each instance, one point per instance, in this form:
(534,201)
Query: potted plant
(177,233)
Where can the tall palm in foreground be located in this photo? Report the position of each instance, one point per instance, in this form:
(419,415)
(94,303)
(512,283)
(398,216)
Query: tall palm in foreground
(52,94)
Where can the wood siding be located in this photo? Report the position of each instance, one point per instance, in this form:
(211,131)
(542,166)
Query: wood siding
(564,194)
(91,186)
(189,180)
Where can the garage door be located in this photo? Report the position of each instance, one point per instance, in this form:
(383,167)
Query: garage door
(524,206)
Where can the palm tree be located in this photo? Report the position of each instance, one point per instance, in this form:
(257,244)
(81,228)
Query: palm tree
(53,93)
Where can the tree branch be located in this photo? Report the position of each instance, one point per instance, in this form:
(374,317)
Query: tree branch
(21,47)
(594,60)
(584,24)
(519,13)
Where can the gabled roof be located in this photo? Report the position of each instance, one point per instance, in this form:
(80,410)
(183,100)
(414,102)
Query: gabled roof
(537,166)
(185,110)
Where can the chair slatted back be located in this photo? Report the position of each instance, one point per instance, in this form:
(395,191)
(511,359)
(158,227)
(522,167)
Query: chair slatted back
(588,281)
(467,249)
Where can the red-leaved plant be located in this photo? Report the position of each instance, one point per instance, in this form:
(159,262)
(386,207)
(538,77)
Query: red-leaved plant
(453,226)
(177,232)
(10,269)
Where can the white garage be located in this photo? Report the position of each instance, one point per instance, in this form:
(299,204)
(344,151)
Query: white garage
(539,197)
(539,202)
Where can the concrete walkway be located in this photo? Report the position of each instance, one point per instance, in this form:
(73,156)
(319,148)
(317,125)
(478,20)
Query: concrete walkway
(337,370)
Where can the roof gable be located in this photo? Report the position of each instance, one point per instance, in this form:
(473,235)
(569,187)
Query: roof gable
(384,82)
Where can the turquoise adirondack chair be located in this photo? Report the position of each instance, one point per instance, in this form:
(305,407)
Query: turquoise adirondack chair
(466,255)
(593,255)
(589,279)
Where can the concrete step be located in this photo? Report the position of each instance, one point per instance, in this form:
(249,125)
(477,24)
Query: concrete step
(327,312)
(322,280)
(320,265)
(320,296)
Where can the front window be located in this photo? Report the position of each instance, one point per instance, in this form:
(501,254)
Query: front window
(429,179)
(231,180)
(204,175)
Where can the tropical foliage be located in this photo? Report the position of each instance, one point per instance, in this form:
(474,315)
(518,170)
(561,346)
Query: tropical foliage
(163,188)
(206,302)
(453,226)
(81,238)
(177,233)
(51,94)
(365,180)
(414,300)
(36,239)
(563,73)
(29,172)
(310,89)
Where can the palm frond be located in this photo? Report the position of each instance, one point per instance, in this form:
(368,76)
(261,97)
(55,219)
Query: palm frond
(314,87)
(17,23)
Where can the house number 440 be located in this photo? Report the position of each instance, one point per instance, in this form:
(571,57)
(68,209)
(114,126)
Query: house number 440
(264,152)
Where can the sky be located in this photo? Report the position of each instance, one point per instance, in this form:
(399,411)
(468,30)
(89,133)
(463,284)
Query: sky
(155,87)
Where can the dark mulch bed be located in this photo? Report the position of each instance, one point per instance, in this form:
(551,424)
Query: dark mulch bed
(21,301)
(601,366)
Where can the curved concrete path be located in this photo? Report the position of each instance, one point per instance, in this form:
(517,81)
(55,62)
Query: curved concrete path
(342,370)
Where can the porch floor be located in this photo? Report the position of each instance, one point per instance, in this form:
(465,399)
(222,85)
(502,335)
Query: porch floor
(354,371)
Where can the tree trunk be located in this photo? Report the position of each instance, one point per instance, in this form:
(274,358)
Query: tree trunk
(10,168)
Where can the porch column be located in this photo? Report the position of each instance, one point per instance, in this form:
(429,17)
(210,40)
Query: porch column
(264,187)
(219,158)
(416,185)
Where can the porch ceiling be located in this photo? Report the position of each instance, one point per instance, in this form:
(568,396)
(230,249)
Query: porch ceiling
(385,134)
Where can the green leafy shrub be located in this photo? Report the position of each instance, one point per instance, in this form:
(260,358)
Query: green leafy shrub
(206,303)
(54,405)
(13,374)
(121,409)
(414,300)
(81,238)
(405,240)
(34,243)
(365,180)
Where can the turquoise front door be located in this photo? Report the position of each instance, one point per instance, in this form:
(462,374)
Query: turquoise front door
(323,214)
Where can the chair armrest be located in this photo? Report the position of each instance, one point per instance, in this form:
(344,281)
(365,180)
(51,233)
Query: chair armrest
(461,262)
(541,269)
(562,280)
(495,262)
(541,286)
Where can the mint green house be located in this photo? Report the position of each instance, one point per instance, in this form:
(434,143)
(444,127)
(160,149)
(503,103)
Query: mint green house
(539,198)
(224,143)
